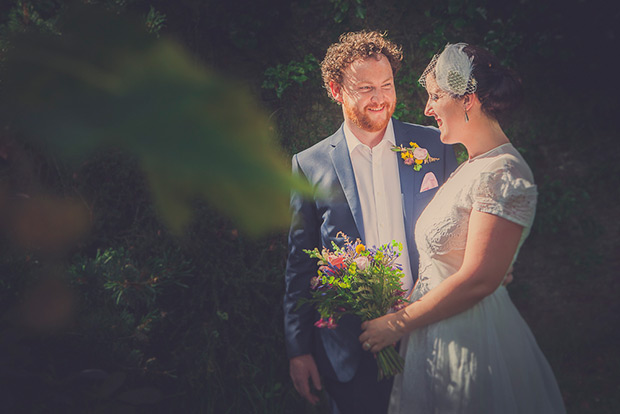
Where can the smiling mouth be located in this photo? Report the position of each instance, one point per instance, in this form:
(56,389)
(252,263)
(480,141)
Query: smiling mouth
(379,109)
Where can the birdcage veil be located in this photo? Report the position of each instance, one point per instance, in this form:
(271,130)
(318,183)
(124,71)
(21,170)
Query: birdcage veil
(453,70)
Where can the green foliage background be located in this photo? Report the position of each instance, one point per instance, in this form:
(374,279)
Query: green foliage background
(155,321)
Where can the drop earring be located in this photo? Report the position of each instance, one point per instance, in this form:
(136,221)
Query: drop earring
(466,117)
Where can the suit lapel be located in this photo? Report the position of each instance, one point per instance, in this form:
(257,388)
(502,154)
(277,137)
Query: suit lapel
(344,170)
(409,180)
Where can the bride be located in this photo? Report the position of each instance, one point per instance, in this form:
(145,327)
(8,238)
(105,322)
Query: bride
(466,348)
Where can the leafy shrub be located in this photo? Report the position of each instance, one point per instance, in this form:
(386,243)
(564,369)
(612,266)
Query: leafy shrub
(281,77)
(342,8)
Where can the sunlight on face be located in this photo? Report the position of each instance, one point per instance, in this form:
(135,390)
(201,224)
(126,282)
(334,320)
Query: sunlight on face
(369,97)
(447,112)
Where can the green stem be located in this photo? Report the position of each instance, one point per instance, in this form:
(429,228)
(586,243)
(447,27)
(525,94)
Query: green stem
(389,363)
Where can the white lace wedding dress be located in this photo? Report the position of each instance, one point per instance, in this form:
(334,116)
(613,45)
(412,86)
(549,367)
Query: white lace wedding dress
(484,360)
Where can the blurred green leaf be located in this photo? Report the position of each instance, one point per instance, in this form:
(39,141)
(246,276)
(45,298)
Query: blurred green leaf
(106,83)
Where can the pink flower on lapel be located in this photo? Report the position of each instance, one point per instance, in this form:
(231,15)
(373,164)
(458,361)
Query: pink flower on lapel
(414,155)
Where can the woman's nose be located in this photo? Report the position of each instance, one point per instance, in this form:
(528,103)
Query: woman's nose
(427,108)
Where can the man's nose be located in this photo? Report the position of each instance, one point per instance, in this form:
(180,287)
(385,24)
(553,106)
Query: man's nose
(377,96)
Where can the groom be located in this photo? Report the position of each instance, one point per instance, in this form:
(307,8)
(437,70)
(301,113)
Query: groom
(367,191)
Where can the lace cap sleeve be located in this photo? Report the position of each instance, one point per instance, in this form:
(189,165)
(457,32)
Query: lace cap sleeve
(507,191)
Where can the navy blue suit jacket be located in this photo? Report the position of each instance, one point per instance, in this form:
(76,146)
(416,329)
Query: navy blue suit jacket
(315,223)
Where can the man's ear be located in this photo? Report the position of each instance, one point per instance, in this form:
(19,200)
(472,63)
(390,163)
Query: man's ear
(336,90)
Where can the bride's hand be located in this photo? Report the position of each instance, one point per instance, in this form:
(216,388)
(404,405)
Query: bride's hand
(381,332)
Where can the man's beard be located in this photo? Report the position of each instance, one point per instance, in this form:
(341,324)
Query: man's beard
(363,120)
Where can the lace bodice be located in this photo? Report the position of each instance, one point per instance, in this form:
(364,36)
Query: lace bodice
(498,182)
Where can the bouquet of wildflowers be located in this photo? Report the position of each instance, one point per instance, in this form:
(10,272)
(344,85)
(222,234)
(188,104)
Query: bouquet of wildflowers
(361,281)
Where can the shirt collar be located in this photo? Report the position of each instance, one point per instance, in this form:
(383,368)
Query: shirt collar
(353,142)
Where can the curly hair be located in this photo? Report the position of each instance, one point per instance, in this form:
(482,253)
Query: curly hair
(353,46)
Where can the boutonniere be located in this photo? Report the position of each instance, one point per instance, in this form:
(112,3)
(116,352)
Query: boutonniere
(414,155)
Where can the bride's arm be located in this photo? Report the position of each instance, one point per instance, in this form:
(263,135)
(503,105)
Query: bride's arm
(491,244)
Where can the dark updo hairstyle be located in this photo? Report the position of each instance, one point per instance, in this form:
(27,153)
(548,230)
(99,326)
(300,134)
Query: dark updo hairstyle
(499,88)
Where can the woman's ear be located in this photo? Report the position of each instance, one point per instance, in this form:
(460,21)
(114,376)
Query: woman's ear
(469,100)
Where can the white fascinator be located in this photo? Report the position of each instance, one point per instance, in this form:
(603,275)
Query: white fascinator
(453,71)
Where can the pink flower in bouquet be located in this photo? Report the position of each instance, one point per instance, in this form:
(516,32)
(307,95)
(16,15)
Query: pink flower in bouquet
(362,262)
(321,323)
(331,324)
(409,161)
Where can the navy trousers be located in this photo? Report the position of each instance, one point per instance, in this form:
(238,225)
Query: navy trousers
(363,394)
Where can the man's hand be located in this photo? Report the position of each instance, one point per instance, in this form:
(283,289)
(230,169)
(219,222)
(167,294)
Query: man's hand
(303,368)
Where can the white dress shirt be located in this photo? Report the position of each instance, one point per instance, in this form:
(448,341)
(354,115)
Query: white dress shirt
(378,186)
